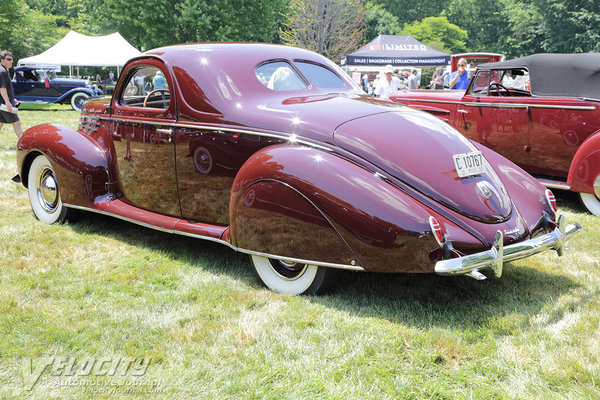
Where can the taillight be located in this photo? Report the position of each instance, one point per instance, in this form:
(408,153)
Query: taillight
(436,229)
(551,199)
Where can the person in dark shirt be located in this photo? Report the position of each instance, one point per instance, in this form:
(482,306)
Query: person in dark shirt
(8,103)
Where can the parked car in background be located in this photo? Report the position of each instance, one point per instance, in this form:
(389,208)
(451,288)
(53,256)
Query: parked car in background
(40,84)
(275,152)
(474,59)
(541,112)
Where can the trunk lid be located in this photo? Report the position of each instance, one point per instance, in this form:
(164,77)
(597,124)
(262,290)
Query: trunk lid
(417,148)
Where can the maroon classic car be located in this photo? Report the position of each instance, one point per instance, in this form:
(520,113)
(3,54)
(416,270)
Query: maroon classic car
(541,112)
(275,152)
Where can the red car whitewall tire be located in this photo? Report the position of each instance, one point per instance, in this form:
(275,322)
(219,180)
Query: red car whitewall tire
(292,278)
(591,203)
(44,193)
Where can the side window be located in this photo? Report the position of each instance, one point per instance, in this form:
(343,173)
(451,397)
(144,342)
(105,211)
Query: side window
(481,83)
(279,75)
(320,76)
(516,79)
(147,87)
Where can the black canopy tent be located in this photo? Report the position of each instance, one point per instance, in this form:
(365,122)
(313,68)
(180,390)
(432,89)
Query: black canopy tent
(402,50)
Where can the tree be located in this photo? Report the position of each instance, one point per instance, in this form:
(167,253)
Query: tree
(380,21)
(25,31)
(332,28)
(408,11)
(154,23)
(569,25)
(438,33)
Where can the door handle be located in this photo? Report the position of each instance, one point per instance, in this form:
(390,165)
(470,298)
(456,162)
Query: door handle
(462,111)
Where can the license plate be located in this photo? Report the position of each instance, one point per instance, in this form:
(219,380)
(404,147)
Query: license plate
(468,164)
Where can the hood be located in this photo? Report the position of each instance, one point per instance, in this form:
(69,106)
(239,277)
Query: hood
(417,148)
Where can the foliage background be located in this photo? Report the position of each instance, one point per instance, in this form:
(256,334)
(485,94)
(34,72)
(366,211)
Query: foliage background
(513,27)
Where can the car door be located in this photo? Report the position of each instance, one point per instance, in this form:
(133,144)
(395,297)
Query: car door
(559,127)
(499,122)
(143,120)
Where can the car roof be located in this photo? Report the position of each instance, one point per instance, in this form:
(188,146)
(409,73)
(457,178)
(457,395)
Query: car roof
(564,75)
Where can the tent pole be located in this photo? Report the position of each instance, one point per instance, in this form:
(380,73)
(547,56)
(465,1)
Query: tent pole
(70,71)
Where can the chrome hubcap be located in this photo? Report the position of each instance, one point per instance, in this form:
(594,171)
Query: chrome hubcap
(47,190)
(288,270)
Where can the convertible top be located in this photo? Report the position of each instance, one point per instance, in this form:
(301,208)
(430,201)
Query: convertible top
(565,75)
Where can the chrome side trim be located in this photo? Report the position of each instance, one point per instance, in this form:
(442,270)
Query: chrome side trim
(212,239)
(549,183)
(108,213)
(290,137)
(498,254)
(302,261)
(502,105)
(138,121)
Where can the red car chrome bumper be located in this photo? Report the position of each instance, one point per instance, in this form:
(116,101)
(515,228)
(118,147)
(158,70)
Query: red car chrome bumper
(495,257)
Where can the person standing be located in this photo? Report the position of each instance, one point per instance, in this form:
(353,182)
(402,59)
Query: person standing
(437,81)
(7,95)
(388,85)
(459,79)
(413,80)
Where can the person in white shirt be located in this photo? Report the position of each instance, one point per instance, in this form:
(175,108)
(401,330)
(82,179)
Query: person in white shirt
(388,85)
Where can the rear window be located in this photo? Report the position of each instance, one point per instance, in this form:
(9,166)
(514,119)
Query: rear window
(319,76)
(279,75)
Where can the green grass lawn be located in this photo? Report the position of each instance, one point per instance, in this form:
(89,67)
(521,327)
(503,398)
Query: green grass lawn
(190,320)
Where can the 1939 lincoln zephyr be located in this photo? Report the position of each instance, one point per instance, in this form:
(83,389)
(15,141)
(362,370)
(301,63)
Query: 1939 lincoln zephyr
(275,152)
(541,112)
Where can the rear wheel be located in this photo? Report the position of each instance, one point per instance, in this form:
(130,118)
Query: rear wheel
(293,278)
(591,202)
(78,99)
(44,193)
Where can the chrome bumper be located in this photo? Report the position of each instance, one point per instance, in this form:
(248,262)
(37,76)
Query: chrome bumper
(495,257)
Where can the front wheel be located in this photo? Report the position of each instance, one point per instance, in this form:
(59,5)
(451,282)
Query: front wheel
(44,193)
(293,278)
(78,99)
(591,202)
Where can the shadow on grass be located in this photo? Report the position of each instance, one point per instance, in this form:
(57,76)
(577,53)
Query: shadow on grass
(420,300)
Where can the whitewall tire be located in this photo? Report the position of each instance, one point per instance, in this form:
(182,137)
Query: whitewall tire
(590,202)
(44,193)
(292,278)
(78,100)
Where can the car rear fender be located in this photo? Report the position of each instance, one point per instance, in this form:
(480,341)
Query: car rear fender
(584,174)
(305,203)
(79,163)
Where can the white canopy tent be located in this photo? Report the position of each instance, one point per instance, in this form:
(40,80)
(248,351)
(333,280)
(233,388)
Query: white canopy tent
(76,49)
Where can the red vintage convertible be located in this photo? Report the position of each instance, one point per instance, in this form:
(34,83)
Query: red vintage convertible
(541,112)
(275,152)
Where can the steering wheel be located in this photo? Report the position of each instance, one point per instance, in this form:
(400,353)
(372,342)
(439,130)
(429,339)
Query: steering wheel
(152,92)
(499,86)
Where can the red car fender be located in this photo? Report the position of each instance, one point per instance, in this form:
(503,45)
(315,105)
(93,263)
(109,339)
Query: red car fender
(387,230)
(585,167)
(79,163)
